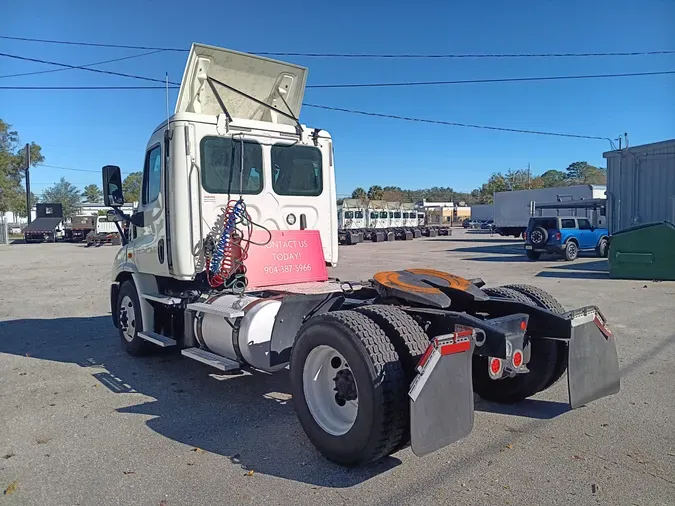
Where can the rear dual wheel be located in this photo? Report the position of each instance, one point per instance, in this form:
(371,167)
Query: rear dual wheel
(350,372)
(548,358)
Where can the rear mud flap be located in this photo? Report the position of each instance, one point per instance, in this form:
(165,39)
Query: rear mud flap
(441,396)
(593,367)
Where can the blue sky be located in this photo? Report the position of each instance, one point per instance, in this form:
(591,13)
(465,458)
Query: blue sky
(88,129)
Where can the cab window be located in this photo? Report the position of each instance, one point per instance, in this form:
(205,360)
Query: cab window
(567,224)
(297,170)
(221,162)
(584,224)
(152,175)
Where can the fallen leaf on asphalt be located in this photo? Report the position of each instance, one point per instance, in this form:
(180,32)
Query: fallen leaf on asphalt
(11,488)
(8,455)
(163,502)
(250,473)
(577,457)
(198,450)
(509,446)
(43,440)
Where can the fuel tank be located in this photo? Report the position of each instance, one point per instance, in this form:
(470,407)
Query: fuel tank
(244,339)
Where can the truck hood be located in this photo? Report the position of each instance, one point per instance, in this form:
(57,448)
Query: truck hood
(262,78)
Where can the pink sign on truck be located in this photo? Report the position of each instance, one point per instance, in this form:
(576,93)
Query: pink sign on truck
(291,256)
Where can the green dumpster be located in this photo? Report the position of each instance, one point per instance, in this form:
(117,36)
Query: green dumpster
(643,252)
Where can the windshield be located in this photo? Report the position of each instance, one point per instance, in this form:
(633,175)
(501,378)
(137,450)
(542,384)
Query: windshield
(297,170)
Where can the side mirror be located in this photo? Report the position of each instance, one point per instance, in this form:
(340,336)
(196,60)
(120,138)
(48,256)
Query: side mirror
(112,186)
(112,216)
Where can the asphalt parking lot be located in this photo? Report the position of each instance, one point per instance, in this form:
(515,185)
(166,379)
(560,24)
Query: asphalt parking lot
(83,423)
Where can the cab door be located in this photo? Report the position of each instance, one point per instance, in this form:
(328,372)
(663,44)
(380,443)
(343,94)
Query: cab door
(150,251)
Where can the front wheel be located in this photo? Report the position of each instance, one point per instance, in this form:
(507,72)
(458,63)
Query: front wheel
(602,248)
(349,388)
(131,320)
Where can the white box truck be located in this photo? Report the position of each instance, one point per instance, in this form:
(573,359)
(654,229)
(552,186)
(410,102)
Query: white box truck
(513,209)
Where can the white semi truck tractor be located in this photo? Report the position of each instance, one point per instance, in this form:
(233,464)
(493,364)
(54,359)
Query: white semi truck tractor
(374,366)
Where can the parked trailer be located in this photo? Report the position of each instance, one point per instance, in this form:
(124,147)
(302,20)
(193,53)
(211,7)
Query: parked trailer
(482,212)
(48,224)
(374,366)
(513,209)
(79,227)
(640,185)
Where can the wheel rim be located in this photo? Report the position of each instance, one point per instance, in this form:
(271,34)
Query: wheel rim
(330,390)
(127,318)
(572,249)
(537,237)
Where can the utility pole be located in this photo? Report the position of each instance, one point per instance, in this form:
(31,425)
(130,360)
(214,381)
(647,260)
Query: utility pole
(28,204)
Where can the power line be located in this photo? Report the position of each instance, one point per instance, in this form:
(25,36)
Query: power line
(83,66)
(58,88)
(359,85)
(71,168)
(452,123)
(495,80)
(364,55)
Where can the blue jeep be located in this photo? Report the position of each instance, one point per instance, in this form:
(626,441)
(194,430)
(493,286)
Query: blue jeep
(564,236)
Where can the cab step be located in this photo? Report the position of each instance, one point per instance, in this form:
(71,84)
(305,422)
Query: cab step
(157,339)
(162,299)
(216,310)
(208,358)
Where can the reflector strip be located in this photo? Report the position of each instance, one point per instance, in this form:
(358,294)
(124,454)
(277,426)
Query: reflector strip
(449,349)
(605,331)
(427,354)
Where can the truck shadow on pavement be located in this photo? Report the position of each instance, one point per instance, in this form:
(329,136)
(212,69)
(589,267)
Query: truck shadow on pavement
(597,269)
(249,418)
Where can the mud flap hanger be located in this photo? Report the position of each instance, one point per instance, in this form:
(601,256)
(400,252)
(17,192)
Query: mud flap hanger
(441,394)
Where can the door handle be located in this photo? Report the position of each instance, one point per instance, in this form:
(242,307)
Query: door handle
(303,222)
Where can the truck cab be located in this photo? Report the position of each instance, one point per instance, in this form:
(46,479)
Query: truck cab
(220,145)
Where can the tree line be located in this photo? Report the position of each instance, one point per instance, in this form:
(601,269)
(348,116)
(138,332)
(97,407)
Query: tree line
(522,179)
(13,195)
(12,173)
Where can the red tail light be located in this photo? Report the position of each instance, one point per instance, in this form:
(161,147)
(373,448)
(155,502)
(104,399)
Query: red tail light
(558,236)
(525,235)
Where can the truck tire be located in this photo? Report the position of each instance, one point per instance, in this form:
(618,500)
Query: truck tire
(603,248)
(544,299)
(131,321)
(367,374)
(409,340)
(543,359)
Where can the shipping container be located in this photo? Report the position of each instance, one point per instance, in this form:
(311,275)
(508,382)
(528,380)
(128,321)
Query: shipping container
(640,185)
(513,209)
